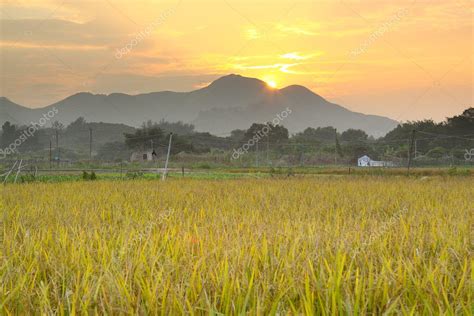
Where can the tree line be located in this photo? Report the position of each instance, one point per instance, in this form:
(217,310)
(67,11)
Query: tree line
(116,141)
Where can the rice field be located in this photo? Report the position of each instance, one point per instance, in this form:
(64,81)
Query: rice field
(313,246)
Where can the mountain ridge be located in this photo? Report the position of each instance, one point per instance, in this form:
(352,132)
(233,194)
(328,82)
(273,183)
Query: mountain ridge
(230,102)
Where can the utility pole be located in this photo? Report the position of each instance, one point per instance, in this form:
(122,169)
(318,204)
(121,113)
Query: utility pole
(90,144)
(410,150)
(335,146)
(167,159)
(256,153)
(416,147)
(268,150)
(57,147)
(50,153)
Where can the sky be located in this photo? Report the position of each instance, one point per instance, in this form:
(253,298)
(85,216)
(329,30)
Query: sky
(407,60)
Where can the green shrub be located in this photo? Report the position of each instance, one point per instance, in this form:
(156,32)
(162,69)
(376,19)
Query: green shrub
(86,176)
(134,175)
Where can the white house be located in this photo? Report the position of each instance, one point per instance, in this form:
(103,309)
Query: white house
(366,161)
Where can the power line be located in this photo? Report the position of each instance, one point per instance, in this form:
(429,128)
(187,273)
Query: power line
(447,136)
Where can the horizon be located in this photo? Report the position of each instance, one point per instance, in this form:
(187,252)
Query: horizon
(270,87)
(389,60)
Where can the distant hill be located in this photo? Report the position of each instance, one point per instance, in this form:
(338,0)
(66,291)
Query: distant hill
(230,102)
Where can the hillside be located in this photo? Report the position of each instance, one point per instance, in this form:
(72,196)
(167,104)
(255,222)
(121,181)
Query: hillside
(228,103)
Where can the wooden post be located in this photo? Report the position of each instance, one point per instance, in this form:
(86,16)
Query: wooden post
(50,153)
(268,150)
(256,153)
(167,159)
(57,147)
(90,144)
(410,150)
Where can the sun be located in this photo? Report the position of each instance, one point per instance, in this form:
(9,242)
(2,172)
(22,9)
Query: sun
(270,81)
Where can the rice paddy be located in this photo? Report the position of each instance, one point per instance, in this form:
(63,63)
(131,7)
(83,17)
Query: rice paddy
(313,246)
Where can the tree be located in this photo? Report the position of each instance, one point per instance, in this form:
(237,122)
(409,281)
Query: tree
(9,133)
(267,132)
(354,135)
(237,135)
(78,125)
(114,151)
(316,135)
(462,124)
(338,148)
(177,128)
(145,137)
(180,144)
(57,125)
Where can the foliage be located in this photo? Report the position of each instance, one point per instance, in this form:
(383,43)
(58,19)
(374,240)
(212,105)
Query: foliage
(89,176)
(114,151)
(134,174)
(178,128)
(28,136)
(267,132)
(320,134)
(78,125)
(354,135)
(456,133)
(145,137)
(8,134)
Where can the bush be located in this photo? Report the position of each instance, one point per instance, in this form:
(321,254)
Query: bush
(86,176)
(27,178)
(134,175)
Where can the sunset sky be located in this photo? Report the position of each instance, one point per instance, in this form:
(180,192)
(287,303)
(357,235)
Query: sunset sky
(403,59)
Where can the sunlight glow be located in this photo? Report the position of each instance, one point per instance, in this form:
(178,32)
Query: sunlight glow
(270,81)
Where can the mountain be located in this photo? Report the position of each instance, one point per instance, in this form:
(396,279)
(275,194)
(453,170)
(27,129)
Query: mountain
(230,102)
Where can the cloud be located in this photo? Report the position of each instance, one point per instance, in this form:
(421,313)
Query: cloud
(61,33)
(281,67)
(55,46)
(49,47)
(307,29)
(297,56)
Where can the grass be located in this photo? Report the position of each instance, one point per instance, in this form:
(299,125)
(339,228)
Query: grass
(327,245)
(247,173)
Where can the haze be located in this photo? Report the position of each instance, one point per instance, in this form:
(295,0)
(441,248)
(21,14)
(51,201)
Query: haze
(404,59)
